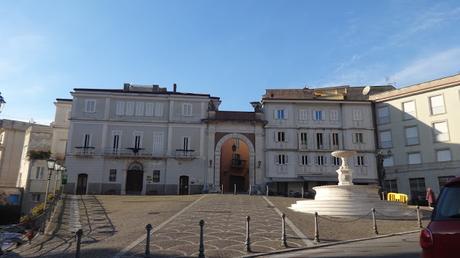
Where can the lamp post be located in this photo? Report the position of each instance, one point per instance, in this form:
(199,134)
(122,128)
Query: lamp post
(51,166)
(2,102)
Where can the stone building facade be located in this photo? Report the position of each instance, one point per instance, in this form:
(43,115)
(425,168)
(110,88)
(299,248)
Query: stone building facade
(418,134)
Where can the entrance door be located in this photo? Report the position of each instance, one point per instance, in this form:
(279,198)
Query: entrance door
(81,183)
(238,181)
(183,185)
(134,180)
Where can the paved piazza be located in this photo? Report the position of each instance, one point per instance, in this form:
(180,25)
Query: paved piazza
(114,226)
(225,229)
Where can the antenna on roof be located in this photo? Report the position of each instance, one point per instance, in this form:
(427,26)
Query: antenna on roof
(366,90)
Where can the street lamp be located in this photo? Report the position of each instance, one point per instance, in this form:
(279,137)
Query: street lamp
(51,166)
(2,102)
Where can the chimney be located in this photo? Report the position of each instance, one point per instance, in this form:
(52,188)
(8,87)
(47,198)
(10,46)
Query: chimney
(174,87)
(126,87)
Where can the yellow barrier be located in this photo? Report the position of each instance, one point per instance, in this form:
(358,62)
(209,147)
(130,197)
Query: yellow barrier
(397,197)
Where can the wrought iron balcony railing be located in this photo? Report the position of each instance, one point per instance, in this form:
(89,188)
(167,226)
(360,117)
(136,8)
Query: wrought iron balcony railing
(84,151)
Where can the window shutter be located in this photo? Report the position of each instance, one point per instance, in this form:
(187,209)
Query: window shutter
(353,137)
(120,109)
(276,159)
(274,114)
(285,114)
(158,109)
(149,109)
(286,158)
(275,136)
(324,115)
(366,162)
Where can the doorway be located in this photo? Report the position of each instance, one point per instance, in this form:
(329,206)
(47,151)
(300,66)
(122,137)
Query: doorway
(183,185)
(234,165)
(82,182)
(134,179)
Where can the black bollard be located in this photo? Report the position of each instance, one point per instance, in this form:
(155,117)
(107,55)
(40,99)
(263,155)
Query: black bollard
(266,191)
(201,250)
(234,189)
(78,234)
(148,227)
(247,243)
(303,192)
(222,189)
(316,228)
(283,230)
(374,222)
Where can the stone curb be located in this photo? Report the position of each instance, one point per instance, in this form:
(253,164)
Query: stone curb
(330,244)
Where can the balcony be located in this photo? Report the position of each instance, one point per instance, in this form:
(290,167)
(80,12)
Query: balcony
(131,153)
(238,163)
(185,154)
(84,151)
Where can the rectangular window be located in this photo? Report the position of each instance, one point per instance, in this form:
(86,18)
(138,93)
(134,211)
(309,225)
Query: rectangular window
(281,159)
(280,114)
(39,173)
(411,135)
(360,161)
(443,155)
(414,158)
(280,137)
(139,108)
(409,110)
(129,108)
(357,115)
(185,143)
(391,186)
(90,106)
(87,140)
(120,108)
(388,161)
(334,115)
(158,109)
(36,197)
(186,109)
(156,176)
(304,160)
(383,115)
(112,175)
(158,142)
(385,139)
(149,109)
(417,188)
(358,138)
(319,141)
(440,131)
(318,115)
(303,138)
(336,161)
(320,160)
(437,105)
(303,114)
(335,139)
(443,180)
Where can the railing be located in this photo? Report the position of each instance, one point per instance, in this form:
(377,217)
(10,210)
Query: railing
(129,152)
(84,151)
(185,153)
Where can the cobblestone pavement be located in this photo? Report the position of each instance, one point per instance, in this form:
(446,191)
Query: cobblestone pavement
(225,229)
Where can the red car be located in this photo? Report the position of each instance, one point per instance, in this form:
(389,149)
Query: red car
(441,239)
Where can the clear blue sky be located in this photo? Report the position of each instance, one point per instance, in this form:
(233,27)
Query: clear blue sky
(231,49)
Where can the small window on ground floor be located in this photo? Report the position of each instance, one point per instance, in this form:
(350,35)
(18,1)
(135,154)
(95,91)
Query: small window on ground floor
(36,197)
(417,188)
(443,180)
(156,176)
(391,186)
(113,175)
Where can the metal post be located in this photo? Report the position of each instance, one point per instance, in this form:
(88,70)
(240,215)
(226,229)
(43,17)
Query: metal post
(250,189)
(383,196)
(303,192)
(266,191)
(419,218)
(222,189)
(316,228)
(148,227)
(47,189)
(283,230)
(247,243)
(201,250)
(374,221)
(234,189)
(79,233)
(55,183)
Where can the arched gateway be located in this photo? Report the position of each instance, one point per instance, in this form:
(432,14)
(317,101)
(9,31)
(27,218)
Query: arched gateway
(235,162)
